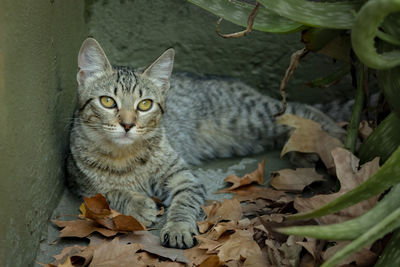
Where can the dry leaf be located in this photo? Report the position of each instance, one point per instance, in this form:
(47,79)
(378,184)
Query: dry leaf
(110,254)
(308,137)
(257,260)
(364,130)
(96,208)
(228,209)
(218,230)
(252,192)
(196,255)
(294,180)
(363,257)
(67,263)
(239,245)
(256,176)
(349,177)
(147,242)
(212,261)
(81,228)
(286,254)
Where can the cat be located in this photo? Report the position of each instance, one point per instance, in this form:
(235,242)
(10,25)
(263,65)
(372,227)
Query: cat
(135,134)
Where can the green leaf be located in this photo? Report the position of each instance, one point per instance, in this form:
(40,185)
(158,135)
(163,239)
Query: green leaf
(387,176)
(350,229)
(238,12)
(390,255)
(389,81)
(337,15)
(331,78)
(316,38)
(385,225)
(365,29)
(383,141)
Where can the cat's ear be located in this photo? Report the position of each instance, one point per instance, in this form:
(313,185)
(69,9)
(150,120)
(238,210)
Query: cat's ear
(91,60)
(160,71)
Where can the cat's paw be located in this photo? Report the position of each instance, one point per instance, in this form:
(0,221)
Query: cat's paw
(143,209)
(178,235)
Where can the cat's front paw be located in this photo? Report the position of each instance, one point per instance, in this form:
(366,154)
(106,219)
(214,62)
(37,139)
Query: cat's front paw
(142,208)
(178,235)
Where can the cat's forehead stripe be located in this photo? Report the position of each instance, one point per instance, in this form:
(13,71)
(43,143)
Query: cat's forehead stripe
(126,79)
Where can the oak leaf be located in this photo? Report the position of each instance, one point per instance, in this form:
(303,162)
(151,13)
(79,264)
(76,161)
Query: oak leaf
(363,257)
(294,180)
(148,242)
(350,177)
(240,245)
(97,208)
(114,253)
(82,228)
(308,137)
(252,192)
(256,176)
(228,209)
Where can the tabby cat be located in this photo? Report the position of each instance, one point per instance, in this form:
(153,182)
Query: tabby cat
(133,135)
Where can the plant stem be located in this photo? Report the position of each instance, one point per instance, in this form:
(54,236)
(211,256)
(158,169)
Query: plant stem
(352,130)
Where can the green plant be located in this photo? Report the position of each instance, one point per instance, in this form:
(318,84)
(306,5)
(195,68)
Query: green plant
(372,30)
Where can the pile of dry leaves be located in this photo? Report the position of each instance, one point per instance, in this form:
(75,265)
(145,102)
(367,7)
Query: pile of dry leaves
(237,231)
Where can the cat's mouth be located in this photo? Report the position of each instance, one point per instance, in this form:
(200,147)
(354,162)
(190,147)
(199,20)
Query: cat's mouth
(124,139)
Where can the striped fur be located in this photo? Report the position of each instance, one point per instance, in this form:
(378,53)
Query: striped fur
(195,118)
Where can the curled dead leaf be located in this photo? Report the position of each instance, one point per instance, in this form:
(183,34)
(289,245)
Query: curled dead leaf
(228,209)
(294,180)
(256,176)
(350,177)
(308,137)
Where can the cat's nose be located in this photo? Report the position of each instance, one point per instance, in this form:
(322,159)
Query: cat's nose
(127,126)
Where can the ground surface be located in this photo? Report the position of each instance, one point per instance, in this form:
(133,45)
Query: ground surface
(212,174)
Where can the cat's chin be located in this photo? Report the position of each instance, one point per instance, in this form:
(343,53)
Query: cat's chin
(123,141)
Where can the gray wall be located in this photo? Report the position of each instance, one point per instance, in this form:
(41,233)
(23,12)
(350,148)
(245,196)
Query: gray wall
(135,32)
(39,41)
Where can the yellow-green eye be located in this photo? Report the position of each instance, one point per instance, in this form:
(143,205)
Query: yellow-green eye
(107,102)
(145,105)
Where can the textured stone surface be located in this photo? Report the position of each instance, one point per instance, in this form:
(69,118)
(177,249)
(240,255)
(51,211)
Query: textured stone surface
(135,32)
(39,40)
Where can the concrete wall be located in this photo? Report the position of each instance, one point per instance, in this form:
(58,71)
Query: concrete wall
(135,32)
(39,42)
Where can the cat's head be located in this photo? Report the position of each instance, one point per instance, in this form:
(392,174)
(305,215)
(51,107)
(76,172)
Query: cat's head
(116,103)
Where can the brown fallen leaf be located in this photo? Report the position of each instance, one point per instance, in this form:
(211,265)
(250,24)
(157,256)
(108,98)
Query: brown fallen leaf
(196,255)
(257,260)
(256,176)
(252,192)
(97,216)
(308,137)
(115,254)
(285,254)
(148,242)
(362,258)
(294,180)
(240,245)
(364,130)
(228,209)
(219,229)
(349,177)
(149,259)
(67,263)
(97,208)
(82,228)
(212,261)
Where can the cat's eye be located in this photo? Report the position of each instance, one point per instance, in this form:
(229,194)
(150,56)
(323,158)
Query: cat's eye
(145,105)
(107,102)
